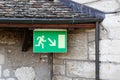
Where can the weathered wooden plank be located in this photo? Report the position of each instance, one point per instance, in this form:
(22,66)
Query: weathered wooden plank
(88,25)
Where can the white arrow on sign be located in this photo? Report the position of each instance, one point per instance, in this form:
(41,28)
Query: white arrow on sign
(53,42)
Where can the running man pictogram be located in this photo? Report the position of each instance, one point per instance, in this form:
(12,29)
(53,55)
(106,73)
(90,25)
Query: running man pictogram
(41,41)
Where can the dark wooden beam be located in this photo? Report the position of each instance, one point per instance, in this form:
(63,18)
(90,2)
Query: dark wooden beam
(88,25)
(26,39)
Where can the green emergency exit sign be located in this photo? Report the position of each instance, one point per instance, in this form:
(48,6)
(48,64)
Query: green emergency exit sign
(50,41)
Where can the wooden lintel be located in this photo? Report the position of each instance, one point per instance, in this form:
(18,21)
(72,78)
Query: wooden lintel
(88,25)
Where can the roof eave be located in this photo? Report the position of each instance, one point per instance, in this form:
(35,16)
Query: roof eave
(84,9)
(50,20)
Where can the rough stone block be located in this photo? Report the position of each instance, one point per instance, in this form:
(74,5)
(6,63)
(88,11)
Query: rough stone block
(61,78)
(112,29)
(84,1)
(59,69)
(92,57)
(91,35)
(25,73)
(118,1)
(91,50)
(6,73)
(2,54)
(109,71)
(59,62)
(110,47)
(82,79)
(105,5)
(2,58)
(91,44)
(2,79)
(10,79)
(80,69)
(9,37)
(0,71)
(114,33)
(77,47)
(103,33)
(111,18)
(110,58)
(56,0)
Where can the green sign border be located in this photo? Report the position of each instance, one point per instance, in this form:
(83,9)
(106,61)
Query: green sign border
(50,33)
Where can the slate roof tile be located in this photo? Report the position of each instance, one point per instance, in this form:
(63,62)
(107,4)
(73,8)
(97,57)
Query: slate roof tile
(16,8)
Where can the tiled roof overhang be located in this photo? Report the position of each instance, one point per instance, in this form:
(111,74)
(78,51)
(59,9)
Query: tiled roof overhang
(47,13)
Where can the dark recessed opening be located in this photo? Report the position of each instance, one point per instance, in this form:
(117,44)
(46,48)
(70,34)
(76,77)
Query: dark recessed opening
(50,0)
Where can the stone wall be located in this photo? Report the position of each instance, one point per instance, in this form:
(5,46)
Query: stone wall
(78,63)
(18,65)
(109,47)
